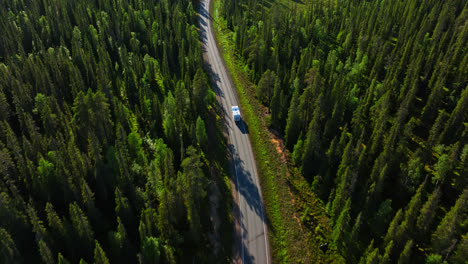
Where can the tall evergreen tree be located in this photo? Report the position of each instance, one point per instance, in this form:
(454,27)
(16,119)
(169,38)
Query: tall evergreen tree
(9,252)
(201,135)
(293,122)
(405,256)
(428,211)
(443,239)
(99,254)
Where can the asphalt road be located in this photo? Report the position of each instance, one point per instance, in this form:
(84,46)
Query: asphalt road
(252,237)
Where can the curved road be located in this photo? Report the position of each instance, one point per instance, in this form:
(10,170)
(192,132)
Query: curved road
(252,235)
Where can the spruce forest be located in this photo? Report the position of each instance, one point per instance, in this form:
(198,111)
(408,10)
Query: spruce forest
(111,138)
(372,100)
(104,152)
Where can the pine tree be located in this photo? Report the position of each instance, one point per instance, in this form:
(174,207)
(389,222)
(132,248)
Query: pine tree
(150,250)
(56,226)
(265,87)
(193,188)
(434,259)
(312,156)
(275,105)
(460,254)
(4,107)
(62,259)
(354,248)
(201,135)
(411,212)
(428,211)
(123,209)
(36,223)
(385,259)
(371,255)
(393,227)
(405,256)
(341,226)
(83,230)
(443,239)
(455,120)
(45,252)
(415,171)
(379,222)
(8,251)
(298,152)
(293,125)
(99,254)
(200,91)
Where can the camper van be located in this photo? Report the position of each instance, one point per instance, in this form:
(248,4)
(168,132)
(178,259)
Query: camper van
(236,113)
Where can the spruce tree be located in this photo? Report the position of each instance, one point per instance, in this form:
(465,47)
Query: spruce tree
(460,254)
(45,252)
(341,228)
(8,250)
(428,211)
(293,125)
(201,135)
(405,256)
(99,254)
(444,237)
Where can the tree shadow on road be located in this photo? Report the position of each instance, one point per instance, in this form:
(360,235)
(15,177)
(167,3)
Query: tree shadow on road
(245,186)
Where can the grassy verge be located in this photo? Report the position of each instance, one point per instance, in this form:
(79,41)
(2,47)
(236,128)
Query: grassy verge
(296,219)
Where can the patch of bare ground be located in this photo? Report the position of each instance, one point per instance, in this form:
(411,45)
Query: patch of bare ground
(304,209)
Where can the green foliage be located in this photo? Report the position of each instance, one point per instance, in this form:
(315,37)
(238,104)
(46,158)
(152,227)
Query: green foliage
(45,252)
(265,87)
(381,110)
(293,122)
(342,225)
(82,229)
(298,152)
(381,218)
(405,256)
(428,211)
(201,135)
(61,259)
(99,254)
(444,236)
(415,171)
(151,250)
(45,172)
(200,91)
(98,103)
(9,252)
(194,187)
(288,242)
(442,168)
(434,259)
(461,251)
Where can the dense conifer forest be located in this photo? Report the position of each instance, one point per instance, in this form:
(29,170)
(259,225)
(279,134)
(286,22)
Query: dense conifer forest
(372,100)
(103,133)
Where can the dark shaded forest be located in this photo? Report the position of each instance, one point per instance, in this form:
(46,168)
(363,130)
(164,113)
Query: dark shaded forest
(371,98)
(104,151)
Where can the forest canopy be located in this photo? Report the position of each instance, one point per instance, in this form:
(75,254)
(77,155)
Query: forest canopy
(103,110)
(371,98)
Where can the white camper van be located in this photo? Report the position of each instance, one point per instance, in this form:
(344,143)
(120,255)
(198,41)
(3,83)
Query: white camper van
(236,113)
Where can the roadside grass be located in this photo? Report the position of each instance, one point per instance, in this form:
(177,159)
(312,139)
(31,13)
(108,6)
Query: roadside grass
(296,219)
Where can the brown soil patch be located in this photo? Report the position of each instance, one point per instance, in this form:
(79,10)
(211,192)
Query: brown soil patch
(279,148)
(293,201)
